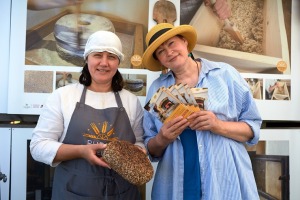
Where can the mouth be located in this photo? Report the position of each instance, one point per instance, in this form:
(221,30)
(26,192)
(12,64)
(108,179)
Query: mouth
(102,70)
(172,59)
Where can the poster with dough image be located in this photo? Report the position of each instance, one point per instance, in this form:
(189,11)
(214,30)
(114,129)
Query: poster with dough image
(47,41)
(254,39)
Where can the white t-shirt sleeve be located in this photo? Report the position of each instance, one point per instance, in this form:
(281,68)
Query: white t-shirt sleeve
(46,135)
(135,113)
(53,123)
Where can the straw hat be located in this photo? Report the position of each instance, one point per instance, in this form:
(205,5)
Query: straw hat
(161,33)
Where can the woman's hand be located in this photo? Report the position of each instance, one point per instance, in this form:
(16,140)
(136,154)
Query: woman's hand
(207,121)
(204,121)
(221,7)
(167,134)
(89,153)
(172,129)
(142,149)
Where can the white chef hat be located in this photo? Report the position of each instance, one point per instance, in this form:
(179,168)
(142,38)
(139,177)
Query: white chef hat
(104,41)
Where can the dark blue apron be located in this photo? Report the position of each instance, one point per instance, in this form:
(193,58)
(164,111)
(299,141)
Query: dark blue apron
(79,180)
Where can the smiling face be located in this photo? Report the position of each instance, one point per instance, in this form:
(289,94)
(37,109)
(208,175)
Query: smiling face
(102,67)
(173,52)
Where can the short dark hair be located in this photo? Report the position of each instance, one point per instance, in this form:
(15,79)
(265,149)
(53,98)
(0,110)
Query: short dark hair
(86,79)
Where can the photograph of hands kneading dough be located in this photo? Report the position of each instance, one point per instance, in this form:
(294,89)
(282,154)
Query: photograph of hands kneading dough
(264,26)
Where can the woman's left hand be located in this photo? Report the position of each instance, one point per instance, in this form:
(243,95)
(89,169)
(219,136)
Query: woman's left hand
(203,120)
(142,149)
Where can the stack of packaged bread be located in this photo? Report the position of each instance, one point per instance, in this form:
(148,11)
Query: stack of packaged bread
(177,100)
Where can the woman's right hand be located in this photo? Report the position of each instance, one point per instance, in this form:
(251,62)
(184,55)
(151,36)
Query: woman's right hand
(172,129)
(166,135)
(89,153)
(221,7)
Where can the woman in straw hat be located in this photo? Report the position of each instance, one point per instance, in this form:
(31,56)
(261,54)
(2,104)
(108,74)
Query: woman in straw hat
(79,119)
(201,156)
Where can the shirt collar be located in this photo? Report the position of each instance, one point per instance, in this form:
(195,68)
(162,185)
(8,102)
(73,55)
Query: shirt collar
(167,75)
(206,66)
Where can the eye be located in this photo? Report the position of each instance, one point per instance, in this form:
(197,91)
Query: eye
(159,51)
(112,56)
(171,43)
(98,55)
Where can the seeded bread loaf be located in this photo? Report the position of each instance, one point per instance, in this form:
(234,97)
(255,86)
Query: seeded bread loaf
(128,161)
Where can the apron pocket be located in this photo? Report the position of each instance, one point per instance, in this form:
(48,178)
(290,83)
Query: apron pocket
(70,195)
(103,186)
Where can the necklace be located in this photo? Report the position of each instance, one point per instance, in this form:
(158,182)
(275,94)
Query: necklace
(198,70)
(197,67)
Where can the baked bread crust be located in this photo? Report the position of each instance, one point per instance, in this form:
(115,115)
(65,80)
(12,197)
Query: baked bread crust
(128,161)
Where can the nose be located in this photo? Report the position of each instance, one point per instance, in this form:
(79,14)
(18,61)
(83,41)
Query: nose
(169,51)
(104,60)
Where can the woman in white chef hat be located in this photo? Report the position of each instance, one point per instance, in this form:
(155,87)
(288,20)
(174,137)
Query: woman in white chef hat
(79,119)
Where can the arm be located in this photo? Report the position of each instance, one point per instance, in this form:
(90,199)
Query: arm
(206,120)
(158,136)
(166,135)
(87,152)
(231,110)
(46,143)
(272,87)
(137,118)
(137,113)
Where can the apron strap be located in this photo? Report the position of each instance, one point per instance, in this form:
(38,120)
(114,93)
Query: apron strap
(82,98)
(117,96)
(118,99)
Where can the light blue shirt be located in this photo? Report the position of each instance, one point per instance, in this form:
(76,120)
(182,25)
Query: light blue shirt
(225,167)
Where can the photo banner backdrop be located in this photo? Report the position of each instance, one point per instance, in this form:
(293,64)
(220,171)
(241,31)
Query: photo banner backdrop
(45,53)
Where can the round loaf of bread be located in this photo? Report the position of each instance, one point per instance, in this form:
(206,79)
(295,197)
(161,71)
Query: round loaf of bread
(128,161)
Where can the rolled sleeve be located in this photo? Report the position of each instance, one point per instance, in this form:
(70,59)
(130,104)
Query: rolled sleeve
(255,126)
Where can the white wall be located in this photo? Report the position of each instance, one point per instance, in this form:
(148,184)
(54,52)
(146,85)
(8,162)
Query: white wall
(280,148)
(4,52)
